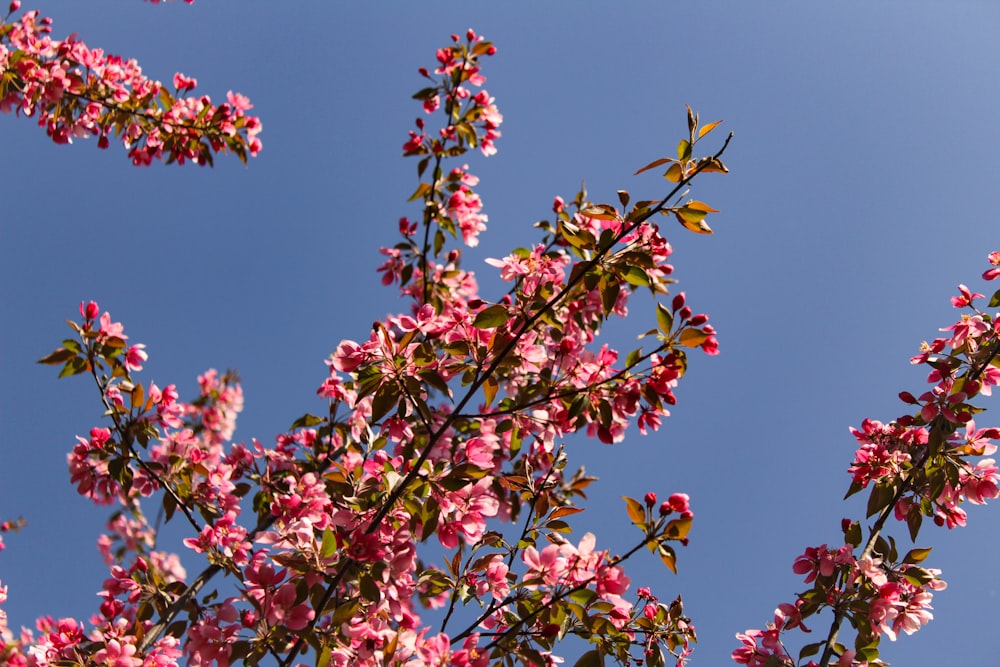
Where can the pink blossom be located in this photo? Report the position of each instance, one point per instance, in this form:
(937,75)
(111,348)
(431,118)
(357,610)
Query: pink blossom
(968,327)
(546,567)
(135,356)
(280,609)
(819,561)
(965,297)
(182,82)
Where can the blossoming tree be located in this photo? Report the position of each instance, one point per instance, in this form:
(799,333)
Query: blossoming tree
(422,515)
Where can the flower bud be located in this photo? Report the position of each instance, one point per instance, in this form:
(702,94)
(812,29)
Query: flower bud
(650,499)
(678,302)
(90,311)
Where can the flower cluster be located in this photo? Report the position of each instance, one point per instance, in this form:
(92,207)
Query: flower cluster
(922,465)
(75,91)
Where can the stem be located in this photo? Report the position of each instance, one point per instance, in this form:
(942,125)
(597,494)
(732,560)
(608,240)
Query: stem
(428,215)
(428,219)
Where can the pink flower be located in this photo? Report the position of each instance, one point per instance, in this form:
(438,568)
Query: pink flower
(819,561)
(545,567)
(117,654)
(431,104)
(965,297)
(968,327)
(182,82)
(415,144)
(281,610)
(111,329)
(135,356)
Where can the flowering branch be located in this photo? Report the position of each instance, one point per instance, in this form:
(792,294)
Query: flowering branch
(343,501)
(76,92)
(917,466)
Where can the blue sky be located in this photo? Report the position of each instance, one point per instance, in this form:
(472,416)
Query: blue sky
(862,190)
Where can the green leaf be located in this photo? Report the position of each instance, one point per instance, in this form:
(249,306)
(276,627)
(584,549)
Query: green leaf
(810,649)
(636,511)
(169,506)
(853,534)
(481,47)
(425,93)
(422,166)
(74,366)
(692,337)
(684,150)
(668,556)
(677,529)
(344,612)
(609,294)
(590,659)
(913,520)
(384,400)
(306,421)
(434,379)
(329,546)
(995,299)
(914,556)
(600,212)
(559,526)
(491,317)
(62,355)
(420,192)
(664,318)
(369,589)
(708,128)
(880,497)
(653,165)
(674,173)
(867,654)
(918,576)
(882,548)
(637,276)
(490,387)
(693,219)
(137,396)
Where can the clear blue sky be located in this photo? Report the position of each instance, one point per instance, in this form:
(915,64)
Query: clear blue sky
(863,189)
